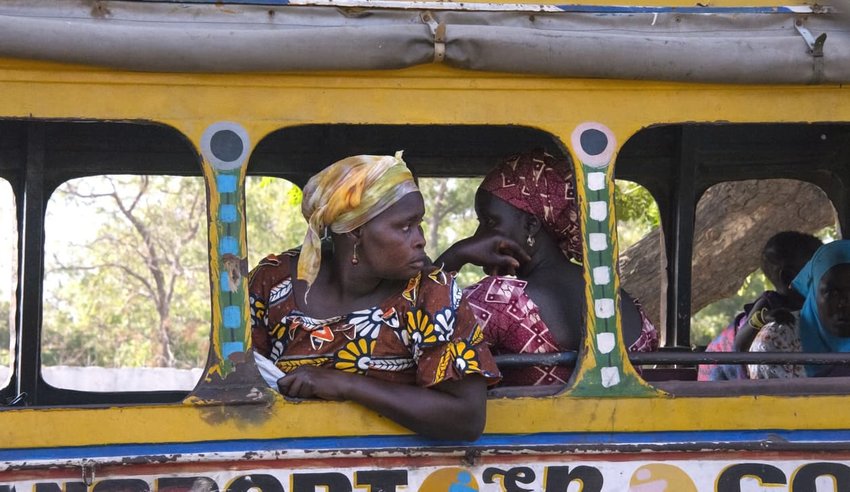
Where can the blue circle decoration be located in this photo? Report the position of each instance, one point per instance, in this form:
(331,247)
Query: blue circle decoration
(594,144)
(593,141)
(226,145)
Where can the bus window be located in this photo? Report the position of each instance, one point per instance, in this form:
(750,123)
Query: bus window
(728,246)
(449,162)
(126,297)
(449,217)
(640,242)
(273,211)
(8,275)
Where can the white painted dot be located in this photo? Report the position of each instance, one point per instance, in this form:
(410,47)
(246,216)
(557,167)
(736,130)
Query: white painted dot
(597,241)
(596,181)
(605,342)
(610,376)
(602,275)
(598,211)
(604,308)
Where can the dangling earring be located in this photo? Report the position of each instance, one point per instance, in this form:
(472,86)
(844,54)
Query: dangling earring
(530,241)
(354,259)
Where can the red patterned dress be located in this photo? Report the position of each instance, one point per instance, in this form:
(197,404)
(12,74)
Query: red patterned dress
(512,325)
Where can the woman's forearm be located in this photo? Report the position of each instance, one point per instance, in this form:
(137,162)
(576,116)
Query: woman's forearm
(454,410)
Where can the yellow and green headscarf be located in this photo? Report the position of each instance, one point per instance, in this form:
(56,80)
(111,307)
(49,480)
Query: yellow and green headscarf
(346,195)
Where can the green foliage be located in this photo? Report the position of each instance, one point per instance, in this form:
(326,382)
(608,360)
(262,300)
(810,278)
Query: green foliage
(712,319)
(134,270)
(450,216)
(637,212)
(274,220)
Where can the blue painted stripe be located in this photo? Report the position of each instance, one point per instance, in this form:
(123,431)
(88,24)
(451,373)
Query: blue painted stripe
(228,213)
(232,317)
(574,439)
(228,348)
(228,245)
(225,281)
(606,9)
(226,183)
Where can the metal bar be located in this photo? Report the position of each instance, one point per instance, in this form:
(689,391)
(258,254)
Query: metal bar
(31,267)
(679,244)
(652,358)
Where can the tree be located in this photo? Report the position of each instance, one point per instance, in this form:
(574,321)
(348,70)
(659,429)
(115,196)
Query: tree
(273,216)
(137,292)
(449,217)
(733,221)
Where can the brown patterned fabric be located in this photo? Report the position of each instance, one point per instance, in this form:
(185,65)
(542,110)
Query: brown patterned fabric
(423,335)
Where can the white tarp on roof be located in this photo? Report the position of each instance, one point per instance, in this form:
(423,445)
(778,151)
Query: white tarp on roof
(738,46)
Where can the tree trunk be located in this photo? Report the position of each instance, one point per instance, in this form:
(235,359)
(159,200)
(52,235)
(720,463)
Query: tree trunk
(733,222)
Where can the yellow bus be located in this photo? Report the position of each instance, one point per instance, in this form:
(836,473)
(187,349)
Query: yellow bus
(675,96)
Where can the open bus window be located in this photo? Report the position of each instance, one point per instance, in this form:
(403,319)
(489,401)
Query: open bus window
(126,297)
(8,276)
(734,222)
(449,217)
(449,162)
(273,213)
(641,244)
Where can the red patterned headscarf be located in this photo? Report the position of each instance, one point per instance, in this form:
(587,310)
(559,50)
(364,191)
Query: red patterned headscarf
(544,186)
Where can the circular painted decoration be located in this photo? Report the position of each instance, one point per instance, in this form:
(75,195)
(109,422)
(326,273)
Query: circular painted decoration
(225,145)
(449,479)
(661,477)
(594,144)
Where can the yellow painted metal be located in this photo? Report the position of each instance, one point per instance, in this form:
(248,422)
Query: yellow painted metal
(433,94)
(55,427)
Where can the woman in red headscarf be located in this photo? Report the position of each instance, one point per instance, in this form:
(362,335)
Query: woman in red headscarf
(529,243)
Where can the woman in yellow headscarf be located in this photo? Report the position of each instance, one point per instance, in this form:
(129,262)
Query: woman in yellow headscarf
(366,318)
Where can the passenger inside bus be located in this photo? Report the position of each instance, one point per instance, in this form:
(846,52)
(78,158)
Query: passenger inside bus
(527,209)
(823,323)
(364,317)
(782,258)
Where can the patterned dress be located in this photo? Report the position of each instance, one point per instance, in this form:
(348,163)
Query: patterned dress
(777,337)
(725,340)
(512,325)
(423,335)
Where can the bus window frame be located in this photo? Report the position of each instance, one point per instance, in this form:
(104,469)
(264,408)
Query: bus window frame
(677,199)
(35,180)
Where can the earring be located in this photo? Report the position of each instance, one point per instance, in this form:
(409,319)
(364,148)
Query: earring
(530,241)
(354,259)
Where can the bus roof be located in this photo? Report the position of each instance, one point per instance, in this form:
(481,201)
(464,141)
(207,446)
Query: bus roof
(727,43)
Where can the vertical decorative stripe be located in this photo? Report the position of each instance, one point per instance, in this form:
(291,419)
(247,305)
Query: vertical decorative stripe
(225,147)
(603,369)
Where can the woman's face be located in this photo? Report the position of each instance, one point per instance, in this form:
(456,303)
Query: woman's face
(498,216)
(392,244)
(833,299)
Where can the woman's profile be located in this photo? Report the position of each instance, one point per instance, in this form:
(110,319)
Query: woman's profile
(362,316)
(529,242)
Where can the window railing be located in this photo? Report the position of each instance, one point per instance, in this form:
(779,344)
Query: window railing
(664,358)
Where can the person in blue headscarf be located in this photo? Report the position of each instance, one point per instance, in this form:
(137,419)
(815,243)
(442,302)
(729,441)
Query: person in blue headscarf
(823,323)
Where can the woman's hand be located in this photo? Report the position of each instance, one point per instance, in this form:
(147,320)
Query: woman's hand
(498,254)
(315,382)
